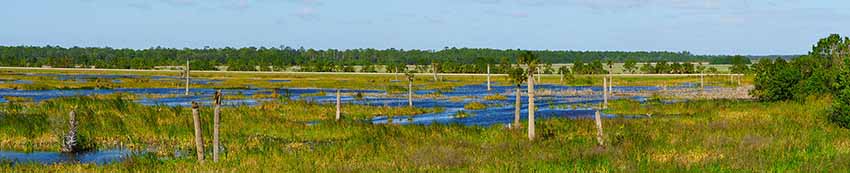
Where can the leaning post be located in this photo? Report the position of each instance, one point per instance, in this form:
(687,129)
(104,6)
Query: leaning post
(216,125)
(199,138)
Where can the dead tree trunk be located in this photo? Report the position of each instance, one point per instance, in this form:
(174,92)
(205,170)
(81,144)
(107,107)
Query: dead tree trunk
(70,145)
(199,138)
(599,134)
(216,125)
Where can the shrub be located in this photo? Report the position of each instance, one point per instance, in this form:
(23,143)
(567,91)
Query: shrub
(474,106)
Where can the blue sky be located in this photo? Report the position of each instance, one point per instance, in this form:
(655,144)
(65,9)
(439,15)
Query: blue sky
(699,26)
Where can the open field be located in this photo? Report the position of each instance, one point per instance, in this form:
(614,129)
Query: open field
(301,135)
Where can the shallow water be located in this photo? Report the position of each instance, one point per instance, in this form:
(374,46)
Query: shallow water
(497,112)
(96,157)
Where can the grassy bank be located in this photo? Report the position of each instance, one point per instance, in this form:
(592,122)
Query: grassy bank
(709,135)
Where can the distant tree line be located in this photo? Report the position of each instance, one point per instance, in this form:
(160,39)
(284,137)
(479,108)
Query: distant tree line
(450,60)
(824,71)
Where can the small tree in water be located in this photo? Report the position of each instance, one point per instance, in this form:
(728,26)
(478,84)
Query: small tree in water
(517,77)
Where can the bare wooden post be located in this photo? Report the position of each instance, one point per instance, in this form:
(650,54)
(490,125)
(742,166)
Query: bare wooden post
(702,83)
(611,85)
(187,77)
(488,77)
(199,138)
(531,108)
(604,93)
(216,125)
(338,105)
(599,134)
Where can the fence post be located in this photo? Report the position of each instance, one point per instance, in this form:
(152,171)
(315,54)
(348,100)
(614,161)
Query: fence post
(599,134)
(199,138)
(216,125)
(338,105)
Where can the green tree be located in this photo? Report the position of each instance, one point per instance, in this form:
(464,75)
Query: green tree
(630,66)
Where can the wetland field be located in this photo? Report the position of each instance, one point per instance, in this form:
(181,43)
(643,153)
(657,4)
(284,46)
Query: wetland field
(142,121)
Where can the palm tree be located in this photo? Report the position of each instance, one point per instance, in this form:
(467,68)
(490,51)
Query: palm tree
(530,60)
(517,77)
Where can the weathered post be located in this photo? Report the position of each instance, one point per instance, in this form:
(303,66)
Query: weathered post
(599,134)
(488,77)
(410,91)
(70,144)
(604,93)
(216,125)
(187,77)
(338,105)
(199,138)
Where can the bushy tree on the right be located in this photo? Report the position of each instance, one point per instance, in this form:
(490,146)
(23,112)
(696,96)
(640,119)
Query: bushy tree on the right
(824,71)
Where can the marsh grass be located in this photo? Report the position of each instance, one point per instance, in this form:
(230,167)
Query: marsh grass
(474,106)
(709,135)
(496,96)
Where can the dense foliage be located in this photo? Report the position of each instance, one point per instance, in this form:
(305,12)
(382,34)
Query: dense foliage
(822,71)
(273,59)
